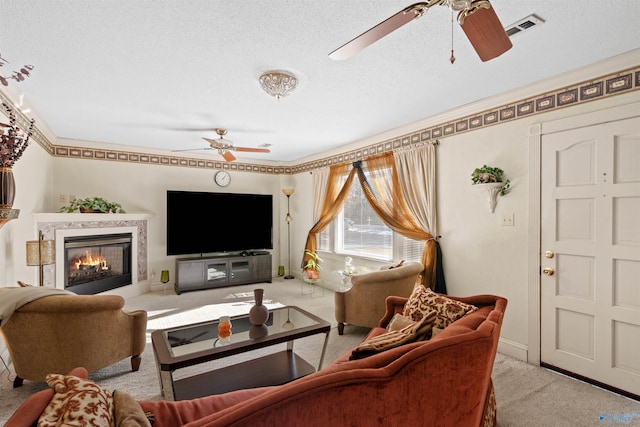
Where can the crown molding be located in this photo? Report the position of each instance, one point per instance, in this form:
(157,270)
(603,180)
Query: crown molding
(612,77)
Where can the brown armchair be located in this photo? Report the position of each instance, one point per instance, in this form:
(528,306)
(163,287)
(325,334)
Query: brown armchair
(57,333)
(364,303)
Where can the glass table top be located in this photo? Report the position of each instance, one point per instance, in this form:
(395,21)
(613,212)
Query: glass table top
(199,337)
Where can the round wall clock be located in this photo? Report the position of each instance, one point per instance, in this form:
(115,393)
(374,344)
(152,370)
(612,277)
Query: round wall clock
(223,178)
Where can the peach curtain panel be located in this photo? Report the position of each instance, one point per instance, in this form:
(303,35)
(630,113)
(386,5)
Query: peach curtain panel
(335,196)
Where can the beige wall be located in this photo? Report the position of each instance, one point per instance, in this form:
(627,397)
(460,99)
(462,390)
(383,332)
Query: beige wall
(480,255)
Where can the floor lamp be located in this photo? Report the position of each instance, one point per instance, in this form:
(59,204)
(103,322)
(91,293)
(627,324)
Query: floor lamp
(40,253)
(288,192)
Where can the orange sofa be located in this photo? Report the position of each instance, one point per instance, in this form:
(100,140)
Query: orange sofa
(444,381)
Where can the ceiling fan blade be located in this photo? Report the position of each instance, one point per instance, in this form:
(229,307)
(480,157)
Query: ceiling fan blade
(485,32)
(252,150)
(228,156)
(193,149)
(382,29)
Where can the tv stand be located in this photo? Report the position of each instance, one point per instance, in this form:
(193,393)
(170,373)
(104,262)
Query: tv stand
(210,272)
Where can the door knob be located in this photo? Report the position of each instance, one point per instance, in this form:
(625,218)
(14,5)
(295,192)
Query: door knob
(548,271)
(549,254)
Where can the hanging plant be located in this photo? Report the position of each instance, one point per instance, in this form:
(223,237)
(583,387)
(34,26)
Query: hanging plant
(488,174)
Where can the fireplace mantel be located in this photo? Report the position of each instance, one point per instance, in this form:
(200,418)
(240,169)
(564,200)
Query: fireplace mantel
(89,217)
(53,225)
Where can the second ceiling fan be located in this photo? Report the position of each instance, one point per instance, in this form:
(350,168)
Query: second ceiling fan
(477,18)
(225,147)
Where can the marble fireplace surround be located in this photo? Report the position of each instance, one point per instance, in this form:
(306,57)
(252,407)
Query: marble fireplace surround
(57,226)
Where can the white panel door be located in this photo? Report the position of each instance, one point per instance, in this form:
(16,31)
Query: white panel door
(590,257)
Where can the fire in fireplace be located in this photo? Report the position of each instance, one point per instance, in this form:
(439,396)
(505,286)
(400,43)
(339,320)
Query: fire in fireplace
(97,263)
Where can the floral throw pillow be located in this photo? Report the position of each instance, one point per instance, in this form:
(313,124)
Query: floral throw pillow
(423,300)
(77,402)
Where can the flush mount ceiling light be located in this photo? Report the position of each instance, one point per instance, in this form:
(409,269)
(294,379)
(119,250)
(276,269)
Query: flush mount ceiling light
(278,83)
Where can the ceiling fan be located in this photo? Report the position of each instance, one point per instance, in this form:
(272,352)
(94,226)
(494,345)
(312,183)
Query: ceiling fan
(477,18)
(224,146)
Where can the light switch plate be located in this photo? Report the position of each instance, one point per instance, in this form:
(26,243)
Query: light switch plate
(507,220)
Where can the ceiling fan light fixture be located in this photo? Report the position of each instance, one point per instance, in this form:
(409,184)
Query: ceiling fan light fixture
(278,83)
(458,5)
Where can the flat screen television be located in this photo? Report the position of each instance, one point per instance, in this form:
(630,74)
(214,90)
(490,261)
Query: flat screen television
(202,222)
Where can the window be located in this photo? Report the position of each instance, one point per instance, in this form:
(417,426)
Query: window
(359,232)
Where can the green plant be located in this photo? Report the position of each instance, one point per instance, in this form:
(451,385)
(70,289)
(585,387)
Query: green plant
(97,204)
(313,261)
(487,174)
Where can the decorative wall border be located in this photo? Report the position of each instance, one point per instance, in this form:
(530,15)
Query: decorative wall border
(586,91)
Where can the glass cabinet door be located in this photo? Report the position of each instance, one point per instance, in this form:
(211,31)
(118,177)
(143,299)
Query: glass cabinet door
(216,273)
(240,271)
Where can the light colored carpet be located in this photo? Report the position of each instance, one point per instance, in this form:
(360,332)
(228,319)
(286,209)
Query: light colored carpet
(526,395)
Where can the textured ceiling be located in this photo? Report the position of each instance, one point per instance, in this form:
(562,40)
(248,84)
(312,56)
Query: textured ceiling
(135,73)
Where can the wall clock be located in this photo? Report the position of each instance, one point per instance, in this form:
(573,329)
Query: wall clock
(222,178)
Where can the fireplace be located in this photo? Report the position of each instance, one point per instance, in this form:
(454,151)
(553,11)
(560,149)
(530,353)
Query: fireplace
(97,263)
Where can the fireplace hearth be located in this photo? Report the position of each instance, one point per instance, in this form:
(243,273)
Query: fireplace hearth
(97,263)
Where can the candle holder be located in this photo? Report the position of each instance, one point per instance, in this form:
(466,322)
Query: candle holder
(224,331)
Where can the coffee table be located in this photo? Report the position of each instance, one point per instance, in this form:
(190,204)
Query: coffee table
(194,344)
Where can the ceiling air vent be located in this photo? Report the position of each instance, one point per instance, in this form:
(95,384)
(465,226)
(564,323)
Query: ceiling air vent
(523,24)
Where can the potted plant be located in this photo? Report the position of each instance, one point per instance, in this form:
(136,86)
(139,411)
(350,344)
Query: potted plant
(92,205)
(312,266)
(489,174)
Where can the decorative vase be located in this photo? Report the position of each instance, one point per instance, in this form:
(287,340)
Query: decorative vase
(258,313)
(7,187)
(312,275)
(258,331)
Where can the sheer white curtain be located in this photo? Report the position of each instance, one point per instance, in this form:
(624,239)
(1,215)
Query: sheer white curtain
(416,168)
(320,179)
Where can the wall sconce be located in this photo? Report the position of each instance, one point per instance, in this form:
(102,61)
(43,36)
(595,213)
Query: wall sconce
(493,189)
(40,253)
(492,180)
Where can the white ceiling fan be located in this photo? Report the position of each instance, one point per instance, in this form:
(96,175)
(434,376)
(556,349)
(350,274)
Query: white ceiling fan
(225,146)
(477,18)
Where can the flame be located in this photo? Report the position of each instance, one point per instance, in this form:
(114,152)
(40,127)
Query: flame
(91,260)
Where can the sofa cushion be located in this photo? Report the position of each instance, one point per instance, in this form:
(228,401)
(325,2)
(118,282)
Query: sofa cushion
(411,332)
(77,402)
(423,300)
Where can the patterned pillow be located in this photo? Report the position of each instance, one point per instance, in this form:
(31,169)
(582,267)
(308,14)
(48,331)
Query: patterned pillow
(392,339)
(424,300)
(127,411)
(77,402)
(398,322)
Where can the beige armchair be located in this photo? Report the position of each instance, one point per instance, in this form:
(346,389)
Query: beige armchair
(57,333)
(364,304)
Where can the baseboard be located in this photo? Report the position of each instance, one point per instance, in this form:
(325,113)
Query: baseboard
(512,349)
